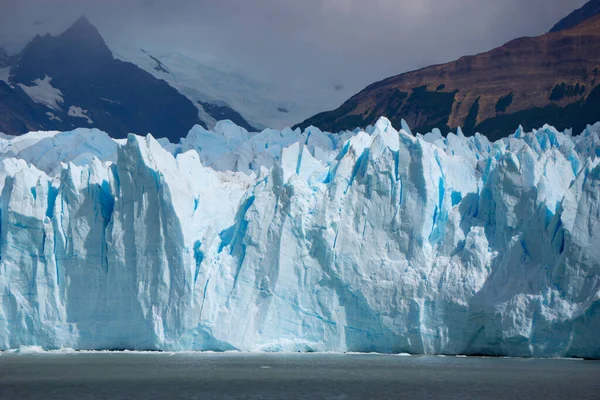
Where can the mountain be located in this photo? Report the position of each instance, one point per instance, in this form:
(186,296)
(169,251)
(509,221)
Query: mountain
(5,59)
(191,79)
(589,10)
(395,243)
(551,78)
(73,80)
(220,112)
(20,114)
(224,91)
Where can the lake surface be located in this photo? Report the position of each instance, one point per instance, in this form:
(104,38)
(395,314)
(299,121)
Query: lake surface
(291,376)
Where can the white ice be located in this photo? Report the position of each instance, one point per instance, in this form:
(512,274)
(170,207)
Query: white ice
(371,241)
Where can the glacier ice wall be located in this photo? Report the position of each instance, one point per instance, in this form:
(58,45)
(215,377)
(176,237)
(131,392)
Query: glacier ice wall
(370,241)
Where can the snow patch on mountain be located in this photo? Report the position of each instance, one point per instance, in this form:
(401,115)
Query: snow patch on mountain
(206,79)
(79,112)
(53,117)
(4,74)
(42,92)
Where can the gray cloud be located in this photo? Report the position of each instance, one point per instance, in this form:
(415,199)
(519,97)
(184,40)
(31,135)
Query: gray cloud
(299,42)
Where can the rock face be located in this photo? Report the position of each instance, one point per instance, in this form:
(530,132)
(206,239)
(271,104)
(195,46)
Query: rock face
(400,243)
(528,81)
(589,10)
(72,80)
(222,112)
(20,114)
(5,59)
(191,78)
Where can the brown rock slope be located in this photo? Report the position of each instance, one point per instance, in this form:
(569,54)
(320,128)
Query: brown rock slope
(530,81)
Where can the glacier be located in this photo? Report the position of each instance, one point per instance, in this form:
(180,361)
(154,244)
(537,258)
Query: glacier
(375,240)
(263,103)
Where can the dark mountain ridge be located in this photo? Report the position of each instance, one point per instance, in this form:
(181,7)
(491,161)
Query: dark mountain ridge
(589,10)
(97,90)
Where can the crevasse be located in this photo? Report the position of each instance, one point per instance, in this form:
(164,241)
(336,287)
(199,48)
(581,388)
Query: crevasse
(373,240)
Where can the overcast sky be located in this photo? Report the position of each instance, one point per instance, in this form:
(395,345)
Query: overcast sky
(313,42)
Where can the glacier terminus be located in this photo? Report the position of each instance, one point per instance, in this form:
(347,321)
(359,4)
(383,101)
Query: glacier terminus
(374,240)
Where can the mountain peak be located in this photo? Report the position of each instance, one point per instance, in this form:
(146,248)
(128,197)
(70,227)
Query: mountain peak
(589,9)
(84,35)
(82,23)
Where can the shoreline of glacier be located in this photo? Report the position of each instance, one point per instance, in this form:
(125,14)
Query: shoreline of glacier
(34,350)
(373,240)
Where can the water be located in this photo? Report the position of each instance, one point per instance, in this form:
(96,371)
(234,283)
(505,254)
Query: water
(291,376)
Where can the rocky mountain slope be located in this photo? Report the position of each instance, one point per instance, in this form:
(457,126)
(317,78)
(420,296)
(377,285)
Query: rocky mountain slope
(73,80)
(224,92)
(551,78)
(589,10)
